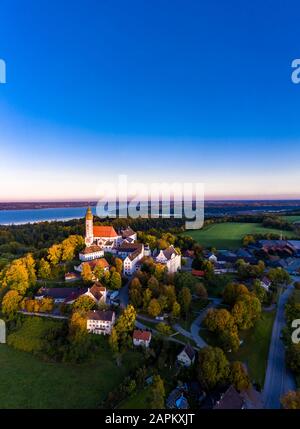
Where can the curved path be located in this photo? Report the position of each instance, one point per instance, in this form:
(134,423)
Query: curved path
(195,326)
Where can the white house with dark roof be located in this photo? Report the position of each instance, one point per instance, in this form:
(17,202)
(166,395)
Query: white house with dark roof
(130,263)
(97,292)
(90,253)
(129,235)
(187,356)
(100,322)
(171,258)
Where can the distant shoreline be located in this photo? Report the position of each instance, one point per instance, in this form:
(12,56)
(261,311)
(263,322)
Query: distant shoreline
(209,203)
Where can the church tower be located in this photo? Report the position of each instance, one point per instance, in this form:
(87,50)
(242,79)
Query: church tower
(89,234)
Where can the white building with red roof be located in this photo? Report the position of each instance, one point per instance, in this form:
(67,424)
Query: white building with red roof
(141,338)
(100,235)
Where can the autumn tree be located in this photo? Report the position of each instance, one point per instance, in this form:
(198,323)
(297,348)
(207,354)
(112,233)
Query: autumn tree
(17,277)
(170,293)
(125,324)
(135,293)
(223,324)
(86,274)
(154,308)
(238,376)
(293,357)
(11,303)
(84,303)
(201,291)
(176,309)
(157,393)
(185,299)
(291,400)
(44,271)
(77,324)
(114,341)
(259,291)
(147,295)
(29,263)
(46,305)
(279,277)
(119,265)
(213,367)
(115,280)
(246,311)
(233,291)
(153,285)
(54,254)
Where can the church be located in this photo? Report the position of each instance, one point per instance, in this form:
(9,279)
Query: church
(102,236)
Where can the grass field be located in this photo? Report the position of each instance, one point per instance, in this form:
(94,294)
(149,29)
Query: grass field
(255,349)
(292,219)
(229,235)
(27,382)
(138,401)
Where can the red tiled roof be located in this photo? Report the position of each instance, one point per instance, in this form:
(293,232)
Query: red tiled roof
(104,231)
(141,335)
(102,262)
(198,273)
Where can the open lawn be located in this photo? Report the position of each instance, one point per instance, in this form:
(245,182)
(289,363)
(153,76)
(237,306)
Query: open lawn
(137,401)
(229,235)
(27,382)
(292,219)
(255,348)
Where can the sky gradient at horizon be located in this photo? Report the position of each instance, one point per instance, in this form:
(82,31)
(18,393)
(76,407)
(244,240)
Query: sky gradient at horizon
(161,91)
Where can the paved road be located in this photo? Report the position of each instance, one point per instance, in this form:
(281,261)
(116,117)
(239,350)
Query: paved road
(124,294)
(279,379)
(195,326)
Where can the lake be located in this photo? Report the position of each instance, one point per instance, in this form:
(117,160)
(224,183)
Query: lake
(8,217)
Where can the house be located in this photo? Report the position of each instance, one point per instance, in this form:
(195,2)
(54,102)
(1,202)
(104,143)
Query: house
(296,246)
(198,273)
(230,400)
(66,295)
(71,277)
(147,250)
(128,234)
(97,292)
(227,256)
(141,337)
(103,236)
(100,322)
(132,254)
(265,283)
(91,252)
(187,356)
(101,263)
(246,256)
(212,257)
(171,258)
(125,249)
(177,400)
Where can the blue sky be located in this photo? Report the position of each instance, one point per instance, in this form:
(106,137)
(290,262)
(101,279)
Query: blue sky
(158,90)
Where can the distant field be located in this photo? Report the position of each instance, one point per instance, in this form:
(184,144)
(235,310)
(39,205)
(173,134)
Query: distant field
(292,219)
(27,382)
(229,235)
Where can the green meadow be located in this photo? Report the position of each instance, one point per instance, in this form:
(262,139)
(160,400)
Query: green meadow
(229,235)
